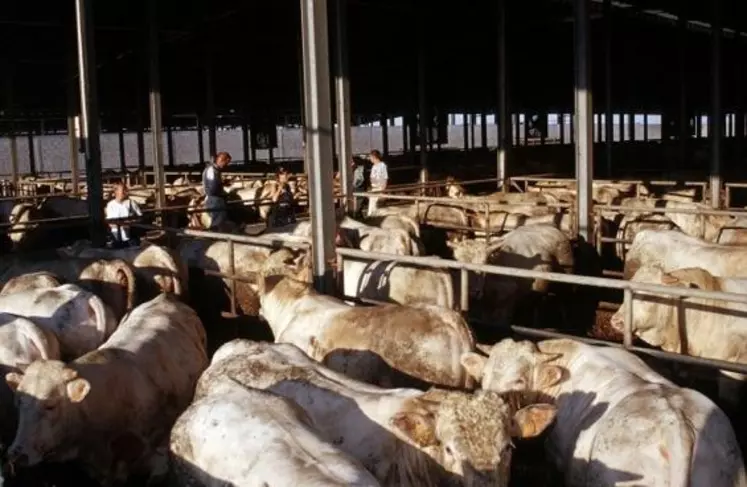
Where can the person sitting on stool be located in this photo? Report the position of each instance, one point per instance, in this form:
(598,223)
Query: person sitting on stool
(282,212)
(121,207)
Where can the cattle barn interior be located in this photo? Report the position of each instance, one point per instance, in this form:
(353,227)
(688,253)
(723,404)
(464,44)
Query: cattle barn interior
(617,124)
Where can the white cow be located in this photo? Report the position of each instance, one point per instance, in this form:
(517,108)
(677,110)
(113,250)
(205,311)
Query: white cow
(21,342)
(398,283)
(112,407)
(32,280)
(698,327)
(619,423)
(673,250)
(405,437)
(422,341)
(243,436)
(80,319)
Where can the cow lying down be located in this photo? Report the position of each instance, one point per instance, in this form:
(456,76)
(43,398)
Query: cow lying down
(112,280)
(374,344)
(80,319)
(699,327)
(619,422)
(113,406)
(405,437)
(255,438)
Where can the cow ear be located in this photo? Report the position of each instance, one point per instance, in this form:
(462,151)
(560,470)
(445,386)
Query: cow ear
(78,389)
(417,427)
(13,379)
(549,376)
(532,420)
(474,364)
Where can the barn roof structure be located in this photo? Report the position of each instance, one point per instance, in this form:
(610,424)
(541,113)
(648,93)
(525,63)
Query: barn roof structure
(254,51)
(222,59)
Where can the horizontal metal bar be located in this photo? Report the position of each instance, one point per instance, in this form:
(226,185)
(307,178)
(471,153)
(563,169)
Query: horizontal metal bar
(659,354)
(686,211)
(270,241)
(602,282)
(449,201)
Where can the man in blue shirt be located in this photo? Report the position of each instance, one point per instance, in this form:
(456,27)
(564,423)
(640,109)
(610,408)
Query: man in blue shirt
(215,195)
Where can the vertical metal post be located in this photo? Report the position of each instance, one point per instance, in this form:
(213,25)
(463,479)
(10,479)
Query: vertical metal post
(140,129)
(384,122)
(503,113)
(245,139)
(72,138)
(170,144)
(32,152)
(472,130)
(583,102)
(682,66)
(342,98)
(483,130)
(621,122)
(631,126)
(645,127)
(12,134)
(423,112)
(609,128)
(561,126)
(90,118)
(716,120)
(319,146)
(628,298)
(154,99)
(200,141)
(38,147)
(210,109)
(465,130)
(122,150)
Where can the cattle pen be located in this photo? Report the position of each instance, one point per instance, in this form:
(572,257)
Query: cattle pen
(490,117)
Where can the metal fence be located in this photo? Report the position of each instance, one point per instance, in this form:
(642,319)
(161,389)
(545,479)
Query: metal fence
(630,289)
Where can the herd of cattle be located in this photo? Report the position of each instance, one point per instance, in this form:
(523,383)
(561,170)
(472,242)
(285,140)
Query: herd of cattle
(107,364)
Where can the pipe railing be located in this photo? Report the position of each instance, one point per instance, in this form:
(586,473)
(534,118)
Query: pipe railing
(629,288)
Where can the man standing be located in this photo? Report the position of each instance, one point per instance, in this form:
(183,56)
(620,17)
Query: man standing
(121,207)
(379,178)
(215,195)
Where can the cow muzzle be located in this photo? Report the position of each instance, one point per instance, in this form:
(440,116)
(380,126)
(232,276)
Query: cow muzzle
(617,322)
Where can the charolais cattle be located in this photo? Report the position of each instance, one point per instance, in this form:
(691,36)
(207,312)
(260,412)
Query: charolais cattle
(405,437)
(532,247)
(671,250)
(33,280)
(113,407)
(157,269)
(246,423)
(397,241)
(619,422)
(21,342)
(80,319)
(399,283)
(26,233)
(373,344)
(699,327)
(112,280)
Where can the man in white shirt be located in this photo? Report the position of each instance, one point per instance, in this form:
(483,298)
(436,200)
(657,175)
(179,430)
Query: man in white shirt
(379,178)
(121,207)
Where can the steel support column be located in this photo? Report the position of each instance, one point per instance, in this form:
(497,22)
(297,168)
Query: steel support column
(423,112)
(342,99)
(154,99)
(319,146)
(90,126)
(170,143)
(245,139)
(716,120)
(384,123)
(584,128)
(609,127)
(210,110)
(503,113)
(12,135)
(32,152)
(483,130)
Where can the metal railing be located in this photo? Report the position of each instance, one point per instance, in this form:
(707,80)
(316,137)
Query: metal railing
(629,288)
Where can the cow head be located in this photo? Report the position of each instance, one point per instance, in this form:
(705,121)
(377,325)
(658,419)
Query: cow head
(515,366)
(112,280)
(49,395)
(655,316)
(469,435)
(21,217)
